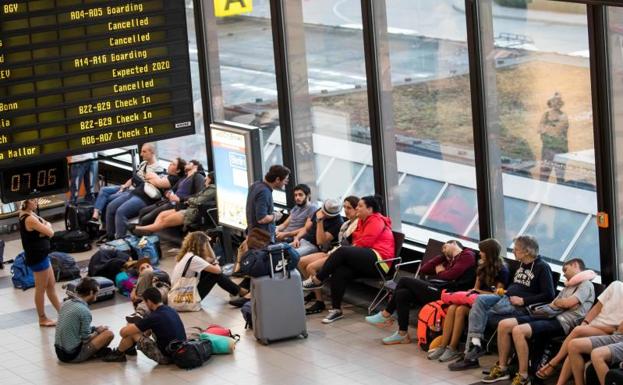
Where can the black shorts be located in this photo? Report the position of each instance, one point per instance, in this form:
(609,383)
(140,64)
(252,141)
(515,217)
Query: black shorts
(550,326)
(65,356)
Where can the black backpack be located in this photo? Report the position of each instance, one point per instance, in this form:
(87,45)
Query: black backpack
(190,354)
(77,215)
(64,266)
(73,241)
(107,263)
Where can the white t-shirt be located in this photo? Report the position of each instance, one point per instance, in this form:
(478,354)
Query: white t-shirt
(611,311)
(197,265)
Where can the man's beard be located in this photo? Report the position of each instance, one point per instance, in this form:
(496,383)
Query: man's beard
(302,204)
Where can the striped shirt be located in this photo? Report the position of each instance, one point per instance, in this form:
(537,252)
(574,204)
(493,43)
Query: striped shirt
(74,324)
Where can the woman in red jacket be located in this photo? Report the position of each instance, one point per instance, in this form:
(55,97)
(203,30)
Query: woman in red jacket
(373,241)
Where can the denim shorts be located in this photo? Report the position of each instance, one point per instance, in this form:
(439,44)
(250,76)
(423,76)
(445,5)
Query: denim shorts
(41,266)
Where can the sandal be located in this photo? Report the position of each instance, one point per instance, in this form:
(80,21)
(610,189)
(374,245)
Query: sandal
(546,371)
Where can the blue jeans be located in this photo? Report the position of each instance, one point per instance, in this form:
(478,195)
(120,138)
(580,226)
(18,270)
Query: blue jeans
(80,171)
(124,207)
(104,197)
(486,305)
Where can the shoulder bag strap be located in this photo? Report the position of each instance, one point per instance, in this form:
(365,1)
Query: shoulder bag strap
(187,266)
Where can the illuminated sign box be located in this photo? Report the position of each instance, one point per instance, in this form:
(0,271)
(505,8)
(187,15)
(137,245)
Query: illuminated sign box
(83,76)
(237,163)
(224,8)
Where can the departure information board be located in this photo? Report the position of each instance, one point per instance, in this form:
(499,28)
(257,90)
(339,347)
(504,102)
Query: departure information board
(83,75)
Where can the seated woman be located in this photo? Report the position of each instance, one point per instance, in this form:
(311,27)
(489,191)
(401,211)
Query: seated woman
(197,245)
(310,264)
(176,198)
(373,242)
(492,273)
(186,216)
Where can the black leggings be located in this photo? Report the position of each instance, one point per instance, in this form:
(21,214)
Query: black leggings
(408,291)
(148,214)
(345,264)
(208,280)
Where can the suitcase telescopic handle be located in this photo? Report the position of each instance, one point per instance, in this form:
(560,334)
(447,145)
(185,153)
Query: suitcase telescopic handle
(286,272)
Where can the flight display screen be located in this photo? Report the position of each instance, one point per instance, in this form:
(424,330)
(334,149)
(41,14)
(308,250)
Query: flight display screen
(84,75)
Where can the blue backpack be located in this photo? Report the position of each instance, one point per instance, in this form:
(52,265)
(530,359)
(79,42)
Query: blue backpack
(64,266)
(148,248)
(22,275)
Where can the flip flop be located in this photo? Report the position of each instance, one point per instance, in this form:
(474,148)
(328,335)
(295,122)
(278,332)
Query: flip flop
(546,371)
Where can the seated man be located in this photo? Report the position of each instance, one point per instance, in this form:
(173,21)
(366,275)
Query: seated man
(604,319)
(571,304)
(454,263)
(531,284)
(321,229)
(163,322)
(109,193)
(147,278)
(188,216)
(126,206)
(299,215)
(76,340)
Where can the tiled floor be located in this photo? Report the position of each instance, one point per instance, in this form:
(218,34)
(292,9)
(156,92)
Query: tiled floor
(346,352)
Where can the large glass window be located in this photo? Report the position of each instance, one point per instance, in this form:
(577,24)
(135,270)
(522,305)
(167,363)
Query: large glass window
(242,75)
(615,56)
(539,117)
(192,146)
(431,105)
(328,85)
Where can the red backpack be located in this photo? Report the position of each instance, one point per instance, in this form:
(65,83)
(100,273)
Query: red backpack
(430,323)
(220,331)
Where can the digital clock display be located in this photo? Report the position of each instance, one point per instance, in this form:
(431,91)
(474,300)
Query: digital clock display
(19,183)
(84,75)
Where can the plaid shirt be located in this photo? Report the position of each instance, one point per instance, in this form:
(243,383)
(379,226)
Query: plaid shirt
(74,324)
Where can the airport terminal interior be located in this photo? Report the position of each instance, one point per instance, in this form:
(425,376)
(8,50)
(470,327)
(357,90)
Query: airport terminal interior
(138,127)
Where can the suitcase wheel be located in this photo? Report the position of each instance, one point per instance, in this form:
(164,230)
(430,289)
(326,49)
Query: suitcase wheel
(304,335)
(264,341)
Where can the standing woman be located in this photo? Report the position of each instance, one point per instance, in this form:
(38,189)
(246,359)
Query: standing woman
(36,233)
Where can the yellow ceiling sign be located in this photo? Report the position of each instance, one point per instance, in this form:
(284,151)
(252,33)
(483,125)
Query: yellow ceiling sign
(224,8)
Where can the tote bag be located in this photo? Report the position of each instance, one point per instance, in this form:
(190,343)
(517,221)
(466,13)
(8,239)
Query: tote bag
(184,295)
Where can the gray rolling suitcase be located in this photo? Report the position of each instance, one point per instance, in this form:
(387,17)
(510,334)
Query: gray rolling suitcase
(106,290)
(278,308)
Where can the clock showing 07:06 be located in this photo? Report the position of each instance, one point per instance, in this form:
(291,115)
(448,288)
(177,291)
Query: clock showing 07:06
(32,181)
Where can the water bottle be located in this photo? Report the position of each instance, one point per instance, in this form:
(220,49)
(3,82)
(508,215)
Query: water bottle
(438,324)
